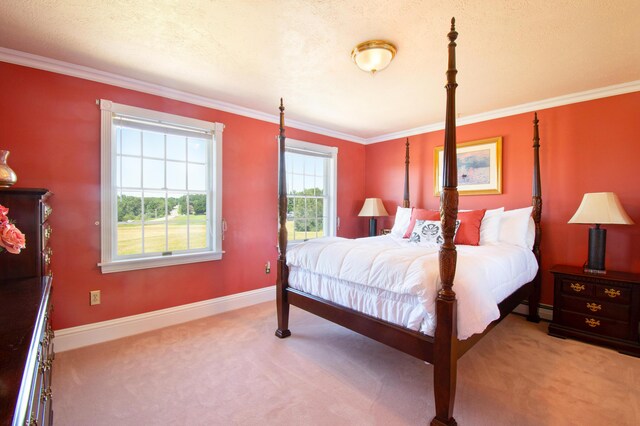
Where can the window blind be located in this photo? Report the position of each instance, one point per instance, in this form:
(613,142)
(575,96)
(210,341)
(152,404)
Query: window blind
(160,127)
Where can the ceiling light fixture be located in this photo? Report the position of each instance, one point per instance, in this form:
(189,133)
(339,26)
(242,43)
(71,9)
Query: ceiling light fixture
(373,55)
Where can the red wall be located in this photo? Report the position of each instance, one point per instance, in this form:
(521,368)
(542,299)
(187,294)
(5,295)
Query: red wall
(590,146)
(51,125)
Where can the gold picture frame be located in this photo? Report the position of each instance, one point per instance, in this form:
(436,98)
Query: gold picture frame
(479,167)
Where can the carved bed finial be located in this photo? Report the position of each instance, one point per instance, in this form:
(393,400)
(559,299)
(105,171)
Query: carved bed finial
(405,202)
(536,159)
(536,191)
(449,195)
(453,34)
(282,189)
(536,214)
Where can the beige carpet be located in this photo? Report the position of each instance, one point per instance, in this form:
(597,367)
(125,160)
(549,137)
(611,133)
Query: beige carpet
(231,370)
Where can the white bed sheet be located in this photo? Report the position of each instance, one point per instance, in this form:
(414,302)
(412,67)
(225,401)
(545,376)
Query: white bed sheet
(397,281)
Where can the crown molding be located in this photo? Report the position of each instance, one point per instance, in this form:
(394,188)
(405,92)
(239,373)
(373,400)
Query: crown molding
(587,95)
(92,74)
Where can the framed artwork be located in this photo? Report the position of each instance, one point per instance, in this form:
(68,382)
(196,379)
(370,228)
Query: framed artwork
(479,167)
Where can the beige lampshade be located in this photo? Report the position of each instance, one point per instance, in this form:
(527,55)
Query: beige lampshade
(601,208)
(373,207)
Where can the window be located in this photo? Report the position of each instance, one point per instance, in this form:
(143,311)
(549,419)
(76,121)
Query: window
(161,189)
(311,190)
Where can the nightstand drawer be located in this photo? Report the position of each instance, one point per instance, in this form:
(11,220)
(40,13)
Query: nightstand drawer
(577,287)
(603,309)
(592,306)
(595,324)
(613,293)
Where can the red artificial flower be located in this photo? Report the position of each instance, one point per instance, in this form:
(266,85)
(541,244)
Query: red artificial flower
(11,239)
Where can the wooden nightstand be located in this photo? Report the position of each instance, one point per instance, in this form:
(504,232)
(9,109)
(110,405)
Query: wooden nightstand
(600,309)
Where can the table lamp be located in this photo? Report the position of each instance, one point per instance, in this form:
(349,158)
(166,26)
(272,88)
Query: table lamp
(599,208)
(373,207)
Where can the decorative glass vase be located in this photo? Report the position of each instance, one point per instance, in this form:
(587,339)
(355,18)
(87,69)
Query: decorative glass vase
(7,176)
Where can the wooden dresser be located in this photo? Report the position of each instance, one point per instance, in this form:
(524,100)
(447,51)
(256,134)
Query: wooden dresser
(26,337)
(600,309)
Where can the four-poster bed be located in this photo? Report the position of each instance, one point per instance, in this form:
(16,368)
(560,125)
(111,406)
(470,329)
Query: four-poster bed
(443,348)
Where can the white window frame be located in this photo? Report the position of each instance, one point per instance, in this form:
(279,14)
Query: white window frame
(109,262)
(331,179)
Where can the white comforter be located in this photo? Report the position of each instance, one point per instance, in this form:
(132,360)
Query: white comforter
(403,271)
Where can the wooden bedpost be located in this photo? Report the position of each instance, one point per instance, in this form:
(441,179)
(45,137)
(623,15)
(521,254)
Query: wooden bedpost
(405,201)
(536,201)
(282,302)
(446,336)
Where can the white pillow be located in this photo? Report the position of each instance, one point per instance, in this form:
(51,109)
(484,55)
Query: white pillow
(428,232)
(401,223)
(513,226)
(490,226)
(531,233)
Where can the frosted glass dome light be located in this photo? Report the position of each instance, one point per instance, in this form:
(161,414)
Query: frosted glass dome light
(373,55)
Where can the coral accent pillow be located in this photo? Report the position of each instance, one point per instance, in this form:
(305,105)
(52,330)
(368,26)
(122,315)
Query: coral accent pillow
(469,231)
(421,214)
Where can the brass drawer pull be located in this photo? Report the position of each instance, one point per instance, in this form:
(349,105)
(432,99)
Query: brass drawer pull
(593,307)
(47,232)
(46,395)
(47,255)
(47,211)
(577,287)
(592,322)
(45,365)
(612,293)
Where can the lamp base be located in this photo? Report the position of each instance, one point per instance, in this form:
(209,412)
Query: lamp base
(597,244)
(373,227)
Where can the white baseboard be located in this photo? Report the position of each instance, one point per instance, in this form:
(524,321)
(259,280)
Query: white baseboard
(99,332)
(545,311)
(91,334)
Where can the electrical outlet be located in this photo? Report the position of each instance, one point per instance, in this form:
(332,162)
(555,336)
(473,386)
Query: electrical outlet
(267,267)
(94,297)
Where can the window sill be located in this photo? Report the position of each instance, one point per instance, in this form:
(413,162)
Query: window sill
(158,262)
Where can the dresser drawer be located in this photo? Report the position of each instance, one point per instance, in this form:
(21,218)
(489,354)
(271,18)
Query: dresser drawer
(593,306)
(595,324)
(613,293)
(577,287)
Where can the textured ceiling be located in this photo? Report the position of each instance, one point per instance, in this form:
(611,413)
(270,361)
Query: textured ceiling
(252,52)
